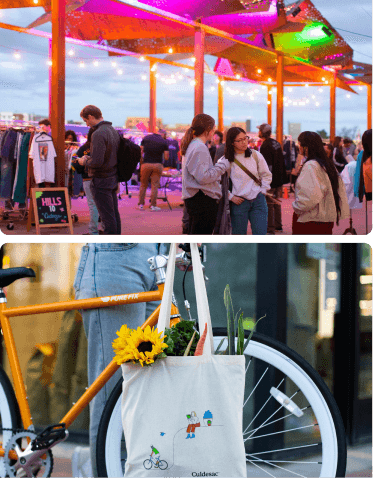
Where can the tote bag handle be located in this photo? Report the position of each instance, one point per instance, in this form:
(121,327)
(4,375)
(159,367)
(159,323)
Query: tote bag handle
(201,297)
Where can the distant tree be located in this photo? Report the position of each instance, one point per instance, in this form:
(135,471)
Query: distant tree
(323,134)
(347,132)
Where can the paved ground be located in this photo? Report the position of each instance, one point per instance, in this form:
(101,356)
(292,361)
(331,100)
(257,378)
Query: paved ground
(359,460)
(168,221)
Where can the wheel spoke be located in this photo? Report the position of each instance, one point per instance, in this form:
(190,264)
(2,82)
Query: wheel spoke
(292,461)
(285,449)
(282,468)
(265,471)
(269,398)
(283,431)
(255,387)
(274,421)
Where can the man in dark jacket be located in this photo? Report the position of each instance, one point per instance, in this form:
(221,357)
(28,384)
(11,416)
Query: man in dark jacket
(102,168)
(272,153)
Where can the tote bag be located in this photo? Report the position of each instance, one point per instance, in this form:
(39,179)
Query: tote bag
(182,416)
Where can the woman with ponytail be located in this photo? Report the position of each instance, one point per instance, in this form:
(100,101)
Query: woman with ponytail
(320,195)
(201,189)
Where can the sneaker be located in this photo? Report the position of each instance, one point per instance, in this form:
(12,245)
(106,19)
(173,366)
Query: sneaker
(155,208)
(8,206)
(81,462)
(141,207)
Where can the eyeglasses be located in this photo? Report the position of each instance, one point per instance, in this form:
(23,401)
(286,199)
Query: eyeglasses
(246,138)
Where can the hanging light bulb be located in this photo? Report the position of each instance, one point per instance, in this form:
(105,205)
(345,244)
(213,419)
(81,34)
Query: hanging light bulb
(317,103)
(313,97)
(143,77)
(222,82)
(81,64)
(320,89)
(17,56)
(96,63)
(217,80)
(142,58)
(114,64)
(36,2)
(268,102)
(212,88)
(193,83)
(307,85)
(256,90)
(323,78)
(259,71)
(269,80)
(170,50)
(120,72)
(290,90)
(157,75)
(348,96)
(238,77)
(194,59)
(71,52)
(49,62)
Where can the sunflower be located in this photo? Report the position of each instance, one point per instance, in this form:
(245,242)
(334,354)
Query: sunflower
(139,345)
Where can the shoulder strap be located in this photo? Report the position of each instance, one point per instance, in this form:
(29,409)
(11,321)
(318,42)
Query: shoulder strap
(257,180)
(254,153)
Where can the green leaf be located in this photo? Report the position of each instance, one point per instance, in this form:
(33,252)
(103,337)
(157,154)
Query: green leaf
(230,319)
(240,335)
(219,346)
(252,332)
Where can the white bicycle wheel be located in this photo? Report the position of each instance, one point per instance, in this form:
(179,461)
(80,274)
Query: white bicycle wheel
(286,403)
(9,414)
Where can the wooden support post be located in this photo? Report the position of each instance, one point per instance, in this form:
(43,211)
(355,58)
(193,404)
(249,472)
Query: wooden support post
(50,78)
(280,98)
(199,68)
(332,108)
(369,93)
(153,97)
(220,106)
(269,105)
(58,87)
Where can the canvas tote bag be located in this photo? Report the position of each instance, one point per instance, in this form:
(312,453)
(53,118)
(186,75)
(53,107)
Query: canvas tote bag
(182,416)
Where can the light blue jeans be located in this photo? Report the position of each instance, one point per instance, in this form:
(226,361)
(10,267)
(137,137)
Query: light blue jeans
(255,211)
(111,269)
(93,213)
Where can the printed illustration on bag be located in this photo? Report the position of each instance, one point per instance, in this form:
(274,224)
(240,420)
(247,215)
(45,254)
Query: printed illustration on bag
(155,461)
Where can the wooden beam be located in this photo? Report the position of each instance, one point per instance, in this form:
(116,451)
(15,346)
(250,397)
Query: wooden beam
(280,98)
(269,105)
(58,87)
(153,97)
(199,70)
(332,109)
(220,106)
(369,94)
(50,78)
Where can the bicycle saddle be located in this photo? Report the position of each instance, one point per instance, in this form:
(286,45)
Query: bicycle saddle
(8,276)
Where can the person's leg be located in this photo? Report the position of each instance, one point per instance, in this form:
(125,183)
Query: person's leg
(277,210)
(93,213)
(155,182)
(203,212)
(146,170)
(114,194)
(102,191)
(104,270)
(271,214)
(259,215)
(240,217)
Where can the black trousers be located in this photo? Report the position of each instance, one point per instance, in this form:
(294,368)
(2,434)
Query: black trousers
(203,212)
(104,192)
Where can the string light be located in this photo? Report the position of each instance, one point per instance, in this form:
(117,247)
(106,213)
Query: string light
(263,87)
(142,58)
(317,103)
(120,72)
(170,50)
(307,85)
(49,62)
(154,67)
(259,71)
(157,75)
(238,77)
(71,53)
(348,96)
(320,89)
(81,64)
(269,80)
(360,87)
(290,89)
(217,80)
(268,102)
(96,63)
(323,78)
(270,92)
(114,64)
(36,2)
(256,90)
(194,59)
(222,82)
(313,97)
(17,56)
(212,88)
(193,83)
(143,77)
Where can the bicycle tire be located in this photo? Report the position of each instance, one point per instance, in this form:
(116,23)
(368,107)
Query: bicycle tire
(10,416)
(163,465)
(148,462)
(261,348)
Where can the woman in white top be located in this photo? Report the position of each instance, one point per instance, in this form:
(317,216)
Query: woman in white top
(201,190)
(247,198)
(320,195)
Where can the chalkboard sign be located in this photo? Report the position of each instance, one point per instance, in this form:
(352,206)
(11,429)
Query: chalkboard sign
(51,208)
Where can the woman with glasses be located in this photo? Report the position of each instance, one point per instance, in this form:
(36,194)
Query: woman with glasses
(250,179)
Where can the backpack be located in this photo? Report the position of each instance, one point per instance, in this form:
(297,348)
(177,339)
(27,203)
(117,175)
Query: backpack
(129,155)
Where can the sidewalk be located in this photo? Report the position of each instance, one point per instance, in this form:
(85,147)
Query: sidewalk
(168,221)
(359,460)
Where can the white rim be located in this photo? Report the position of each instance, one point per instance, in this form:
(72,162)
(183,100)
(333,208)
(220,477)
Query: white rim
(277,360)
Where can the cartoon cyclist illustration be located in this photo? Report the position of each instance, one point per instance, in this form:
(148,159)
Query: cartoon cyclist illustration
(193,423)
(156,454)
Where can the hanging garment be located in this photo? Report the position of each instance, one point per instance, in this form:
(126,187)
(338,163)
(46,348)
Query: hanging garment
(20,180)
(7,178)
(8,145)
(348,177)
(43,153)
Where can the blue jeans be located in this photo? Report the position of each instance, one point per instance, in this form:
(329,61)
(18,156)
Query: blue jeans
(255,211)
(93,213)
(111,269)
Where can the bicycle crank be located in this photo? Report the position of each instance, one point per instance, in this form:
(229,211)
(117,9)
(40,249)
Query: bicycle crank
(29,463)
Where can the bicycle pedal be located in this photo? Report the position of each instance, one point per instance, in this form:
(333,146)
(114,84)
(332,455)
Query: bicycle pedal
(49,437)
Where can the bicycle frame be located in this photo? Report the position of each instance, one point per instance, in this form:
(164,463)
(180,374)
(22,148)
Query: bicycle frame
(100,302)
